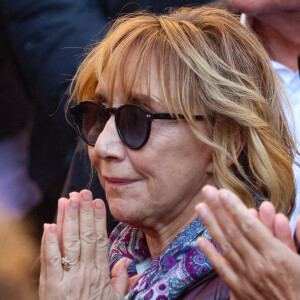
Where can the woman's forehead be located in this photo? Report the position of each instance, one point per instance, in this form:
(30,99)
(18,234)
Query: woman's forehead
(143,85)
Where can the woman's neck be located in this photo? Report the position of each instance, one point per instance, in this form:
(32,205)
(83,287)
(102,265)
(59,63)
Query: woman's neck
(162,230)
(162,237)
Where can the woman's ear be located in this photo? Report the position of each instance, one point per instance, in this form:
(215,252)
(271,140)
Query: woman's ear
(240,139)
(210,167)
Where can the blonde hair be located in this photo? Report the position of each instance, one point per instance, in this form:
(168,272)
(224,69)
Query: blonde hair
(219,68)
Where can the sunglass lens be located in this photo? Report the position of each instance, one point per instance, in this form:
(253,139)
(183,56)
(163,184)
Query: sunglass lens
(93,120)
(132,125)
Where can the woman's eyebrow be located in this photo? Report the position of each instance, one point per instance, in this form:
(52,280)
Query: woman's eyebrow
(99,97)
(140,99)
(143,99)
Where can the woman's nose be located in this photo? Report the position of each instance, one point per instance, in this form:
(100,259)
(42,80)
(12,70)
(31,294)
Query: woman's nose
(109,144)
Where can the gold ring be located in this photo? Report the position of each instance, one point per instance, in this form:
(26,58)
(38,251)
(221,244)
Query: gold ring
(67,264)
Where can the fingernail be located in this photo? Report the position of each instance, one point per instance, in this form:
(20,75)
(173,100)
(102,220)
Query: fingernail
(99,204)
(73,194)
(86,195)
(202,210)
(128,262)
(74,203)
(224,196)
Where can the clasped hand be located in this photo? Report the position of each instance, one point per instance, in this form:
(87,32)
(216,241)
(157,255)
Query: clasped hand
(81,233)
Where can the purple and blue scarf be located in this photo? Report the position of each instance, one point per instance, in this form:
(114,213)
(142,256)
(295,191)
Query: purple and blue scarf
(171,274)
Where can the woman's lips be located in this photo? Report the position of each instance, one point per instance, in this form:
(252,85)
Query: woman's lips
(118,181)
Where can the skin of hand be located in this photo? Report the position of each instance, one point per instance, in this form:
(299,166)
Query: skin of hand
(80,232)
(278,224)
(259,259)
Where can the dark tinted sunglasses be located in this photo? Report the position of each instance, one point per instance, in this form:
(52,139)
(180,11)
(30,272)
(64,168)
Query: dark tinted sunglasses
(133,122)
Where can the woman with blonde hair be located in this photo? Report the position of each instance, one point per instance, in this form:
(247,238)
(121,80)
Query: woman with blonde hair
(166,104)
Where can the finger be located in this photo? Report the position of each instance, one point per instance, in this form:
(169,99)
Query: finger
(267,215)
(213,227)
(283,232)
(252,229)
(71,242)
(237,246)
(87,228)
(232,278)
(43,274)
(53,257)
(133,280)
(101,233)
(219,263)
(120,280)
(60,219)
(73,195)
(253,212)
(260,266)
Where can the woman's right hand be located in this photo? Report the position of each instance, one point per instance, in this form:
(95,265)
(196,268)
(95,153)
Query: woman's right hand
(80,235)
(255,263)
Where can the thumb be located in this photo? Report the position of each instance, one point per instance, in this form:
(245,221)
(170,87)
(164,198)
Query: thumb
(133,280)
(120,279)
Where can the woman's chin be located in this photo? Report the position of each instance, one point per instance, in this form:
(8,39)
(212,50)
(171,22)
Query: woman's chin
(125,214)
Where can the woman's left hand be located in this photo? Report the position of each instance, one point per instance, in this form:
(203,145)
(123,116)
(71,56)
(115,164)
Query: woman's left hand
(80,235)
(260,259)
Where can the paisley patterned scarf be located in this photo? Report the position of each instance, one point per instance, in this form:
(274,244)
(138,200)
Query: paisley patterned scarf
(175,271)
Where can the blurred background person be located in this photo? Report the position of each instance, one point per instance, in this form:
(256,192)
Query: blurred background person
(18,193)
(277,23)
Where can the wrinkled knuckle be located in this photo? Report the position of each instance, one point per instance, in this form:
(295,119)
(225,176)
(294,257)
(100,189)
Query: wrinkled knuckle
(54,260)
(282,267)
(51,242)
(102,240)
(276,263)
(225,249)
(89,237)
(86,210)
(231,232)
(72,243)
(277,257)
(248,225)
(259,268)
(73,218)
(100,215)
(232,207)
